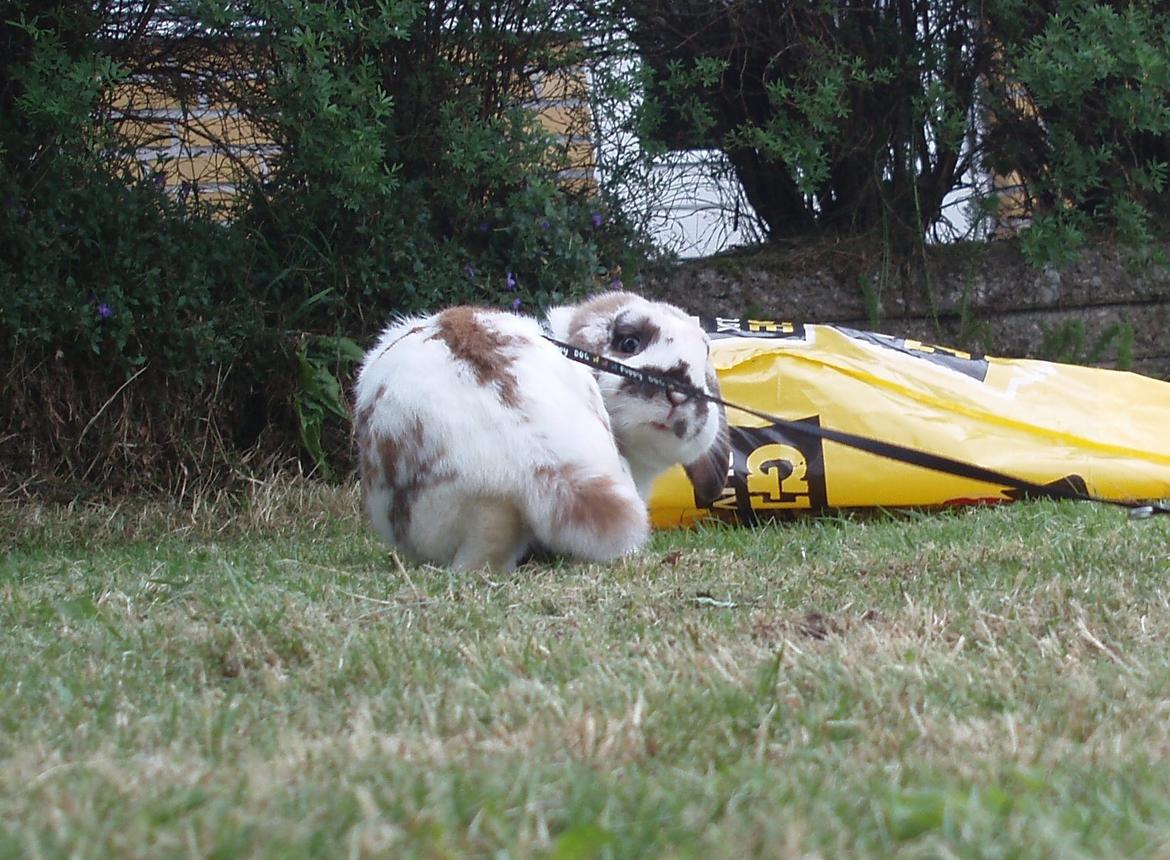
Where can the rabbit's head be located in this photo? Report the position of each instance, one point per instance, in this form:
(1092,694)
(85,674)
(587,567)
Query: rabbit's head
(654,429)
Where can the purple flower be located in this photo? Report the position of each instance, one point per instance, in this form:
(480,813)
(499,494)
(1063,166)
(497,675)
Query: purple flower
(544,225)
(484,226)
(597,219)
(104,311)
(470,271)
(516,303)
(160,179)
(509,281)
(615,284)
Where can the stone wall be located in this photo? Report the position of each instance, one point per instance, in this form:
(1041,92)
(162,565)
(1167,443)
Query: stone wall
(1106,309)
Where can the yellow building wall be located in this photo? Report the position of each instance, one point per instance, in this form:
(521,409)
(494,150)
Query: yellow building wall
(206,150)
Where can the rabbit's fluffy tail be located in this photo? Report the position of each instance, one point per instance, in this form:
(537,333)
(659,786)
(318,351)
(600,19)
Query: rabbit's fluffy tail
(585,514)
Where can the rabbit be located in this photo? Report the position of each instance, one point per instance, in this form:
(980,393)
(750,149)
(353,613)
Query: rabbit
(479,442)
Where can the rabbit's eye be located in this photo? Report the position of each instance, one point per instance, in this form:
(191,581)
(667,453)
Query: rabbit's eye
(627,343)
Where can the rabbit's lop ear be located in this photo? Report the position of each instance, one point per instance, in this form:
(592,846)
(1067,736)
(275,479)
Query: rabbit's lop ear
(559,321)
(708,473)
(588,325)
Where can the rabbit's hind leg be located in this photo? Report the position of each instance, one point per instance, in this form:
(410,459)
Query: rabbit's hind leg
(494,535)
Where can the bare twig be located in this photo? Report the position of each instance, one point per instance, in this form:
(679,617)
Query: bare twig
(111,399)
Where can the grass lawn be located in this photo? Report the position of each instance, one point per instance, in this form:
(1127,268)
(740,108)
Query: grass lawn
(258,677)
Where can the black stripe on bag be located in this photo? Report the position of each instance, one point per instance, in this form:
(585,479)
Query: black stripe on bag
(1016,487)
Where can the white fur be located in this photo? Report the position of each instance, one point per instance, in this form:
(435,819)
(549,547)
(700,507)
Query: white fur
(649,451)
(499,443)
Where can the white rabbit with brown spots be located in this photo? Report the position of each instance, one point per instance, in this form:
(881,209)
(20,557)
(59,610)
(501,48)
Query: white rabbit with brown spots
(478,441)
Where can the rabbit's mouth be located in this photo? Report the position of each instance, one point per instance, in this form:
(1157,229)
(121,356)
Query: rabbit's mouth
(678,428)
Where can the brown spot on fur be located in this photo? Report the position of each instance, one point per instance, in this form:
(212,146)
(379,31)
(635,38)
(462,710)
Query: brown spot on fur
(361,423)
(388,451)
(641,326)
(680,372)
(588,501)
(406,494)
(472,342)
(369,471)
(599,306)
(409,467)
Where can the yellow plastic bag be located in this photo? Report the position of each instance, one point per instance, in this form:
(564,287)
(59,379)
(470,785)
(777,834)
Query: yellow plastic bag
(1105,431)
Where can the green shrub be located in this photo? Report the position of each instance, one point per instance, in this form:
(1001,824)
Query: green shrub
(148,340)
(1080,111)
